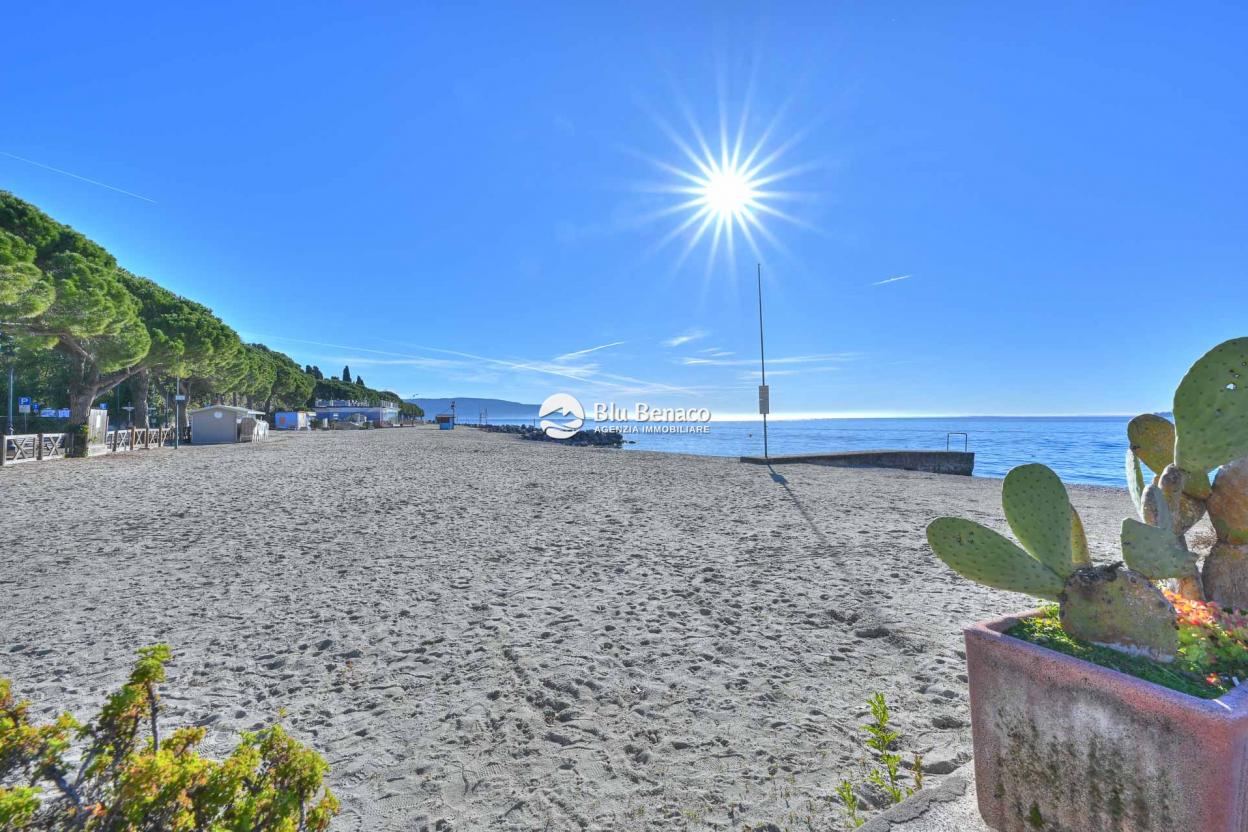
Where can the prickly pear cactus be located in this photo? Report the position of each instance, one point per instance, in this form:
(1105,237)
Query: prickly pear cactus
(1226,567)
(1080,555)
(1211,409)
(1119,608)
(1038,510)
(1152,439)
(1154,551)
(1114,606)
(1135,481)
(979,553)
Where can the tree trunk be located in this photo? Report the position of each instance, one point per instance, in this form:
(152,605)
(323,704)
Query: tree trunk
(139,383)
(80,399)
(82,391)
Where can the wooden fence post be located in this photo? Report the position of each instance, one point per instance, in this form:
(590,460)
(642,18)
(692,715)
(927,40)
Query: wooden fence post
(132,438)
(116,433)
(38,446)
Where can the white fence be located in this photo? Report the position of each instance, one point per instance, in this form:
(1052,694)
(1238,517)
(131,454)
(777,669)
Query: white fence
(37,447)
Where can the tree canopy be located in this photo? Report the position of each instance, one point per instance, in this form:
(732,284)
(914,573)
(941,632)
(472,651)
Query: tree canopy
(81,321)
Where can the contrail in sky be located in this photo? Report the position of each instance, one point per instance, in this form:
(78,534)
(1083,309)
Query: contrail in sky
(571,355)
(76,176)
(892,279)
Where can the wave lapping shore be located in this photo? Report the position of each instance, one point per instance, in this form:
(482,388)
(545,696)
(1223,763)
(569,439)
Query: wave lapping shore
(481,633)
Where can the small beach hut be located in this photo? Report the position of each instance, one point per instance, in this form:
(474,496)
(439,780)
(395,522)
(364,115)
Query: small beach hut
(293,420)
(218,424)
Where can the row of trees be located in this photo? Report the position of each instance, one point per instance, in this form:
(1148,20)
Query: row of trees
(79,322)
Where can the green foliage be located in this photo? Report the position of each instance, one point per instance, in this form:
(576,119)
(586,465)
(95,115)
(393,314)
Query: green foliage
(59,290)
(845,791)
(332,388)
(17,807)
(885,772)
(346,374)
(128,779)
(1182,675)
(880,738)
(24,290)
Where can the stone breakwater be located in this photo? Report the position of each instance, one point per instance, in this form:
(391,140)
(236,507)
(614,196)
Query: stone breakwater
(596,438)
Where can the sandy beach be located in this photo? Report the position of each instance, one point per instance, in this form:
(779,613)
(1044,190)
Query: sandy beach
(484,633)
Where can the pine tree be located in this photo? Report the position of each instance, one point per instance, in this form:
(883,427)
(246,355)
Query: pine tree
(346,374)
(359,380)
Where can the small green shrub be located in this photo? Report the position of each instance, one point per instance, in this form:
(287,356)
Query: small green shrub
(886,772)
(129,778)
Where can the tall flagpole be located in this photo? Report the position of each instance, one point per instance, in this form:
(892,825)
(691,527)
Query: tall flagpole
(764,404)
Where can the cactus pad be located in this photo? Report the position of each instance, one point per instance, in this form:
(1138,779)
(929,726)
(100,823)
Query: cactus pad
(1079,554)
(1038,511)
(1119,608)
(1155,552)
(1228,503)
(1211,409)
(979,553)
(1226,575)
(1152,438)
(1155,509)
(1135,481)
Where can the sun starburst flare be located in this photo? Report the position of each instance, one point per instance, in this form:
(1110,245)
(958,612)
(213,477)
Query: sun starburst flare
(728,193)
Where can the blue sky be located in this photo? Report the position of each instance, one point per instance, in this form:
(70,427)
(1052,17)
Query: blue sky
(461,200)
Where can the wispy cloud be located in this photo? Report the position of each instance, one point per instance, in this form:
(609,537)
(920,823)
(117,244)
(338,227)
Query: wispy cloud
(568,356)
(756,375)
(76,176)
(892,279)
(715,352)
(824,358)
(587,373)
(691,335)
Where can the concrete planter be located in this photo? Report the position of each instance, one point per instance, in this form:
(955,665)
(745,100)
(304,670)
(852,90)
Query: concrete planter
(1062,745)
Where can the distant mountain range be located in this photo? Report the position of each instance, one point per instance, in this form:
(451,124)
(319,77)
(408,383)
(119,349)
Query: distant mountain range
(467,409)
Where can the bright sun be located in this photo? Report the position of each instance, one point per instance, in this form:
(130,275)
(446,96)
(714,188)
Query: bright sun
(726,193)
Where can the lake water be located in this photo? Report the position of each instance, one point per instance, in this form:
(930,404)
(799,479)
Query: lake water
(1084,449)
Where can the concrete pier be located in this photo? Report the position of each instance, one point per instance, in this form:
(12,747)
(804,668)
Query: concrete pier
(935,462)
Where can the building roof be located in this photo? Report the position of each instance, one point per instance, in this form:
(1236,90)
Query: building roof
(243,410)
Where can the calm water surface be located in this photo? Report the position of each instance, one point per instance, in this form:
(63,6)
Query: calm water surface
(1085,449)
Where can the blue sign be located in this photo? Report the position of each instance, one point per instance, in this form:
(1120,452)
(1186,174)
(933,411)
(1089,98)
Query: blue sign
(23,404)
(35,407)
(103,405)
(63,413)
